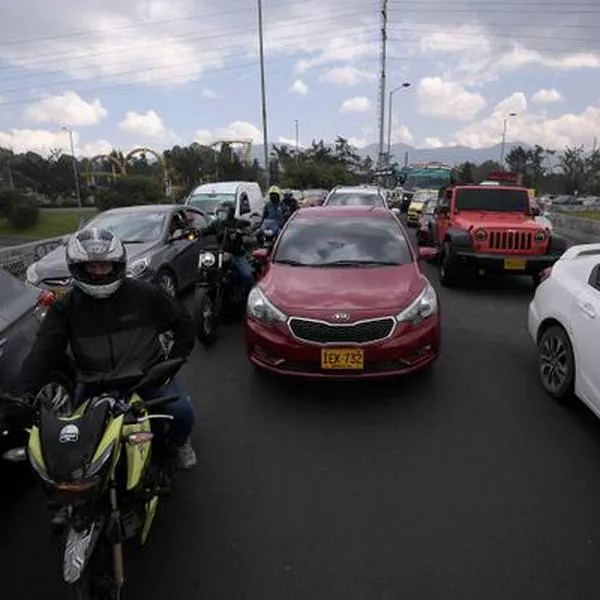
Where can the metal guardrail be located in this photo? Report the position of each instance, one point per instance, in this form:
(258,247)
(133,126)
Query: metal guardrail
(16,259)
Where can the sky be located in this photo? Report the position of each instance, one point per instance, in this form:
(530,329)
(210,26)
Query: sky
(157,73)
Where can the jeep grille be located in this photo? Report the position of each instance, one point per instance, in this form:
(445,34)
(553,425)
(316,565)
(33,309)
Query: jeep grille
(510,240)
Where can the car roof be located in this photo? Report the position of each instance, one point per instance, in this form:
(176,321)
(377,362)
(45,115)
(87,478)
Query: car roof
(337,212)
(144,208)
(222,187)
(353,189)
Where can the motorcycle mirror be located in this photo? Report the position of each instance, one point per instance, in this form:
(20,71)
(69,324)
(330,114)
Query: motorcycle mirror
(261,254)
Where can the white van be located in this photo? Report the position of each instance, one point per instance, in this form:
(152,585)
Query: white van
(247,195)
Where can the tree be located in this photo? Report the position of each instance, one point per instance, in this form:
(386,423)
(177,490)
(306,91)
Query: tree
(573,165)
(131,190)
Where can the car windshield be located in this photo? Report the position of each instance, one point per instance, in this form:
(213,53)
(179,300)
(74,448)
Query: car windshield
(207,202)
(132,227)
(343,242)
(354,199)
(424,196)
(434,181)
(492,199)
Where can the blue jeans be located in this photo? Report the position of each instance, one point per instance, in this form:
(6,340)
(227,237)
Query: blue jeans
(244,268)
(181,409)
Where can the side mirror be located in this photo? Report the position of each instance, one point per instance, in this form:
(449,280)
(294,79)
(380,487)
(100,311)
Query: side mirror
(442,211)
(427,253)
(261,254)
(184,234)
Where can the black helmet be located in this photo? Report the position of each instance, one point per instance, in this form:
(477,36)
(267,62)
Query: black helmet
(226,211)
(91,248)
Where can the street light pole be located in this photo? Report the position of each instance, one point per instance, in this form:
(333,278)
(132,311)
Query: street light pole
(74,162)
(406,84)
(297,134)
(504,130)
(263,90)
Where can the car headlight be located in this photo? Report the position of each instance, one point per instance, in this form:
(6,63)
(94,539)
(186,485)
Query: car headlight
(480,235)
(425,305)
(32,275)
(540,236)
(260,308)
(206,259)
(138,267)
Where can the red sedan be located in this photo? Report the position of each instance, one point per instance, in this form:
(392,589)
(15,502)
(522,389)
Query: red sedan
(342,296)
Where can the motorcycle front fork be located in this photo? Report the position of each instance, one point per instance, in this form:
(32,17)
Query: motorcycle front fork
(117,546)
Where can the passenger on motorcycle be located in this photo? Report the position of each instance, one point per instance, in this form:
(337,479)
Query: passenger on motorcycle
(230,233)
(274,209)
(112,325)
(289,204)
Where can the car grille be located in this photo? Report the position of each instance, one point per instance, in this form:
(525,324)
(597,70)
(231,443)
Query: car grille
(509,240)
(355,333)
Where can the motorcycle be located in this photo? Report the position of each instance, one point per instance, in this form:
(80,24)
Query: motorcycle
(219,291)
(269,230)
(106,465)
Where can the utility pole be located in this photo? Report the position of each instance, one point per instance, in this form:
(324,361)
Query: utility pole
(297,134)
(263,93)
(75,169)
(382,83)
(504,129)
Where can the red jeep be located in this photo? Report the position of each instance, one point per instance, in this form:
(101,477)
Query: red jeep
(491,229)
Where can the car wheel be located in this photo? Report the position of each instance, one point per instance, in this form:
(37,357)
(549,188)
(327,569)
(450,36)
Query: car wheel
(556,364)
(447,271)
(166,281)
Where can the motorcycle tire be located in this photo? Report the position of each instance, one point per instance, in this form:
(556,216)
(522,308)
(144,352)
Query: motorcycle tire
(206,320)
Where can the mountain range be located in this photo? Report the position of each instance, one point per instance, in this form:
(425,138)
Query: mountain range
(453,155)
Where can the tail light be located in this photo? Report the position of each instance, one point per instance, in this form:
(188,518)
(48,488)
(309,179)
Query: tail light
(545,274)
(44,301)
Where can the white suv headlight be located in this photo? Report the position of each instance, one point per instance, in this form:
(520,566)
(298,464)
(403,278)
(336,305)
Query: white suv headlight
(425,305)
(260,308)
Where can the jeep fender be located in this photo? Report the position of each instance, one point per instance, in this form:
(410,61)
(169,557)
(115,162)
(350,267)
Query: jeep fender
(459,239)
(557,245)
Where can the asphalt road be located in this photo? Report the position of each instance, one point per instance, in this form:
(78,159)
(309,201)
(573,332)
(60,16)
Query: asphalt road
(463,483)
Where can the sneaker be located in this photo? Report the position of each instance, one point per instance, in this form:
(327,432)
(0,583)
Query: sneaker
(186,456)
(60,518)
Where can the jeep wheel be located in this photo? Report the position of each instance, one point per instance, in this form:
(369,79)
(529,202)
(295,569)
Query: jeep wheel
(448,271)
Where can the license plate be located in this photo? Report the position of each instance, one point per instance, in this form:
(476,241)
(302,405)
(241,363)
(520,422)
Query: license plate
(59,292)
(515,264)
(343,359)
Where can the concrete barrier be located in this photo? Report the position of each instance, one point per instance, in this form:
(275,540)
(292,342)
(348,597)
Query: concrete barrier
(581,229)
(16,259)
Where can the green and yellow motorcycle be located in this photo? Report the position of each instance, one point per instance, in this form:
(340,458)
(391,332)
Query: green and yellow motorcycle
(105,464)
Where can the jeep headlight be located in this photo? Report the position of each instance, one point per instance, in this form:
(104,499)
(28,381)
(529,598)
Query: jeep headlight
(480,235)
(138,267)
(206,259)
(425,305)
(32,275)
(540,236)
(259,307)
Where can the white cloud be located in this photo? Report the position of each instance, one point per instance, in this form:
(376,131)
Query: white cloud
(299,87)
(546,96)
(209,94)
(401,134)
(348,75)
(36,140)
(238,130)
(289,142)
(358,104)
(148,125)
(65,109)
(433,142)
(448,100)
(96,148)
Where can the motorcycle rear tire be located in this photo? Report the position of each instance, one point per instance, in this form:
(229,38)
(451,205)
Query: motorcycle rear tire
(206,320)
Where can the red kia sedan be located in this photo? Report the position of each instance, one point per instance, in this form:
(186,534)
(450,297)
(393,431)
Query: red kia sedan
(342,296)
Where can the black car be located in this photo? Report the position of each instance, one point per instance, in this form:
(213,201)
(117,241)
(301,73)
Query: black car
(161,243)
(22,309)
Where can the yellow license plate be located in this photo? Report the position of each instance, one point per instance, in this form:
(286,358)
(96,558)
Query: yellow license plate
(343,359)
(59,292)
(515,264)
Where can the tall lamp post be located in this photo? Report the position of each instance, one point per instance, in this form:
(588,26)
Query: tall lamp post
(406,84)
(263,91)
(504,130)
(74,162)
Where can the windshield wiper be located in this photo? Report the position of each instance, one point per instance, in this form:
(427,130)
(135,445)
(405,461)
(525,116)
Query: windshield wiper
(359,263)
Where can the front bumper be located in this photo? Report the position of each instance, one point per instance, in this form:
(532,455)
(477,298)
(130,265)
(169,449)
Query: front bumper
(409,349)
(413,218)
(496,263)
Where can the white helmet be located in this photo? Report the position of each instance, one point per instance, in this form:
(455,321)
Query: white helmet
(96,246)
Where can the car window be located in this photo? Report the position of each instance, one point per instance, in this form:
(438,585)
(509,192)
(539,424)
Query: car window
(10,287)
(196,219)
(135,226)
(492,199)
(178,222)
(347,241)
(354,199)
(244,204)
(594,279)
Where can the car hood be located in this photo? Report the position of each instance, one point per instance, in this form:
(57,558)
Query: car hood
(314,290)
(54,264)
(485,219)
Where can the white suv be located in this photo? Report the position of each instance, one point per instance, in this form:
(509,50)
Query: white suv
(355,196)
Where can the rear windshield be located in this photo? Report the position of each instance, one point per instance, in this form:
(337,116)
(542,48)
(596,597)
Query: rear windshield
(343,242)
(208,202)
(355,199)
(492,199)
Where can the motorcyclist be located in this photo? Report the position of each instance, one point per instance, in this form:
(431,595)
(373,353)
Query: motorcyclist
(112,325)
(230,232)
(289,204)
(274,210)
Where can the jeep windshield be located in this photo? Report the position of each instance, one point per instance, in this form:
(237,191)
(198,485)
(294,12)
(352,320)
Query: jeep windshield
(492,199)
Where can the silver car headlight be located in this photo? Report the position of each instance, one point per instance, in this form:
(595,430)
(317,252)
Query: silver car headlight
(206,259)
(138,267)
(259,307)
(32,275)
(425,305)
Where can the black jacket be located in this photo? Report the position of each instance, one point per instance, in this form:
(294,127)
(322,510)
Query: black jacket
(108,337)
(229,236)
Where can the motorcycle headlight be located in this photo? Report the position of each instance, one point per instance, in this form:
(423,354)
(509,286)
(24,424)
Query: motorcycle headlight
(269,232)
(32,275)
(425,305)
(206,259)
(260,308)
(138,267)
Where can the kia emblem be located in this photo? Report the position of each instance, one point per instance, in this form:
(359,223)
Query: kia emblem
(341,316)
